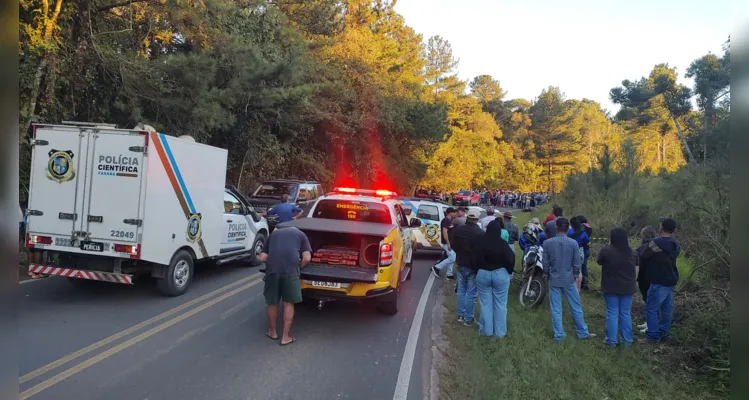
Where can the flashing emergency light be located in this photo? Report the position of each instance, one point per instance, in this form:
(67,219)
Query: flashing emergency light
(369,192)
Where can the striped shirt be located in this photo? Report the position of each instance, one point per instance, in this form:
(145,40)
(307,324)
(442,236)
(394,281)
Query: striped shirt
(561,260)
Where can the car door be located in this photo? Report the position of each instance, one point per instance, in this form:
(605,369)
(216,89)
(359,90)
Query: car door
(430,216)
(238,235)
(406,234)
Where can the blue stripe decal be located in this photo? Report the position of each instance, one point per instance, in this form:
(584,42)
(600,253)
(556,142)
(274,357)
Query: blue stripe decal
(176,172)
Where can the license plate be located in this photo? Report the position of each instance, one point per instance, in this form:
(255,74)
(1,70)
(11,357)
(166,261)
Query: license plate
(330,285)
(92,246)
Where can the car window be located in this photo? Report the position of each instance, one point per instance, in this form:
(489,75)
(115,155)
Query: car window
(318,190)
(231,204)
(352,210)
(464,193)
(429,212)
(274,190)
(307,192)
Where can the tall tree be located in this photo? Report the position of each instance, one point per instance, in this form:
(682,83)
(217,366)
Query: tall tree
(711,82)
(486,89)
(657,98)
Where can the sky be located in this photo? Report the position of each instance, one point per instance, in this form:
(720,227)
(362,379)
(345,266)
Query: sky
(584,47)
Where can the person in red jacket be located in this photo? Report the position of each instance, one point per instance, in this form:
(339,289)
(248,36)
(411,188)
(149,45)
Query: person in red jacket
(552,215)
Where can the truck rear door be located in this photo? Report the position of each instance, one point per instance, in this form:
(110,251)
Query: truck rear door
(115,181)
(56,183)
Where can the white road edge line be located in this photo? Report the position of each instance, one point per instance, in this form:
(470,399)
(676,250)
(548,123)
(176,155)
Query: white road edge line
(404,375)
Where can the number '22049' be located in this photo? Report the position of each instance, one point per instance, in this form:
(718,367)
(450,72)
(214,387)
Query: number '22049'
(121,234)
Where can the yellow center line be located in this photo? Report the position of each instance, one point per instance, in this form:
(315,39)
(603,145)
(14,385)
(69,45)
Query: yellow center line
(124,345)
(121,334)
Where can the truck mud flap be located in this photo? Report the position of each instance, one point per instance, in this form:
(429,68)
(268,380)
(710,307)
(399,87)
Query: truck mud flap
(81,274)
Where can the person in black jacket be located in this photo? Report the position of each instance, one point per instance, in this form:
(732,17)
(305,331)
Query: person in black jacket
(618,283)
(465,242)
(496,262)
(647,234)
(660,256)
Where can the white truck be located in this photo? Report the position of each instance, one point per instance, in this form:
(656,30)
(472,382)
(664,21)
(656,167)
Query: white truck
(110,204)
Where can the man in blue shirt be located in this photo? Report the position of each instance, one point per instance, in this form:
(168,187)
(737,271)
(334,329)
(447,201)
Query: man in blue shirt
(562,262)
(285,211)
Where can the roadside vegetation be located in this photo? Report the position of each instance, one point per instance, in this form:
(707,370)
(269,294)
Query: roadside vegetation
(528,364)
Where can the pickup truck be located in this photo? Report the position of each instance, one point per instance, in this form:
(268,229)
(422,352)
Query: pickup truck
(362,247)
(300,192)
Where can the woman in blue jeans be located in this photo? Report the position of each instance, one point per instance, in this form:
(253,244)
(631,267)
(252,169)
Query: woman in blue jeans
(618,283)
(496,262)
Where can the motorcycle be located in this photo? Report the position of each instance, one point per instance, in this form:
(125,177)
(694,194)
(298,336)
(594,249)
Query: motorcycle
(534,281)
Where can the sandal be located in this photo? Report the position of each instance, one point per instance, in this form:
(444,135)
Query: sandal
(271,337)
(293,339)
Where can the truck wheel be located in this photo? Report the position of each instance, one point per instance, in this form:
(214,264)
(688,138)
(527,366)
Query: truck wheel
(257,248)
(388,304)
(178,275)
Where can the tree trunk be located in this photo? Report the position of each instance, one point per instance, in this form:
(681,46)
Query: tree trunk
(49,22)
(684,140)
(35,93)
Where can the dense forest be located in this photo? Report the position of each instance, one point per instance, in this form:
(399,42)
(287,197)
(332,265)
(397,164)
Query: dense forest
(342,92)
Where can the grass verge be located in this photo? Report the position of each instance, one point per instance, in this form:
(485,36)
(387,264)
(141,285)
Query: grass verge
(528,364)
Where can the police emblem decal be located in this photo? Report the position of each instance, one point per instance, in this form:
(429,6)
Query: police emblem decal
(194,228)
(431,232)
(60,165)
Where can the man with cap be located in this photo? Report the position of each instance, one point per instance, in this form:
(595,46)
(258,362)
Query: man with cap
(489,218)
(511,228)
(465,241)
(661,255)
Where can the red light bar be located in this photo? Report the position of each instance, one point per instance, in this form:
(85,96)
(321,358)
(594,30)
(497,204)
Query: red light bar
(368,192)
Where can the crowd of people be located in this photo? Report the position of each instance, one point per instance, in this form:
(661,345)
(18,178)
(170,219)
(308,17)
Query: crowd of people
(495,197)
(483,251)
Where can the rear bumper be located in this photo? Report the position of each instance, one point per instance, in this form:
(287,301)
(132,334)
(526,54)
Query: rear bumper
(318,272)
(52,270)
(322,294)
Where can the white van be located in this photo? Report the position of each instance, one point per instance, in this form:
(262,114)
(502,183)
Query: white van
(109,204)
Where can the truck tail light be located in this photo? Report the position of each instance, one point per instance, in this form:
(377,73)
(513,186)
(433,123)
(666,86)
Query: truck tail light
(32,240)
(133,250)
(386,254)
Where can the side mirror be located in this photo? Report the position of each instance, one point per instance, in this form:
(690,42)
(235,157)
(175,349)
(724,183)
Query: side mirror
(415,223)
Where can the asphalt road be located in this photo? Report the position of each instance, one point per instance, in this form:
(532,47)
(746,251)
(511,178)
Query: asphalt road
(109,341)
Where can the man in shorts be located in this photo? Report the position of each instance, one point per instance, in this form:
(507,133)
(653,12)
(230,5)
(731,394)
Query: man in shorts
(286,252)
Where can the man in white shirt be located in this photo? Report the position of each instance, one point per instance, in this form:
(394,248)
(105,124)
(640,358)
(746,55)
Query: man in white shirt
(484,222)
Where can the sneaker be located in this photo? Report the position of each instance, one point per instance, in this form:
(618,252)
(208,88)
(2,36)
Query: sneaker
(461,319)
(450,277)
(467,323)
(642,326)
(590,336)
(436,271)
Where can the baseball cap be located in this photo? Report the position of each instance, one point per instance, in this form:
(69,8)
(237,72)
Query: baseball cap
(474,214)
(535,220)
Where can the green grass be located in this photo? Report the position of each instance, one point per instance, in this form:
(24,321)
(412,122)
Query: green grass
(528,364)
